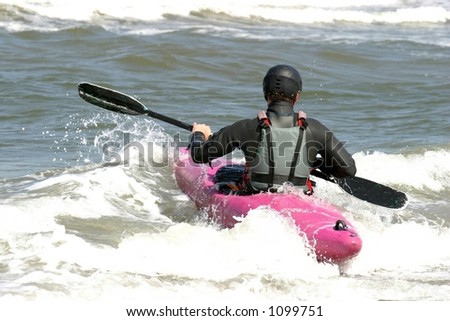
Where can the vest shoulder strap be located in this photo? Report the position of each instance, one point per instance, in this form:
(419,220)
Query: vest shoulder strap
(264,121)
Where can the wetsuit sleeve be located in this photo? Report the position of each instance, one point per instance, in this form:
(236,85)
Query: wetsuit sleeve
(222,142)
(335,159)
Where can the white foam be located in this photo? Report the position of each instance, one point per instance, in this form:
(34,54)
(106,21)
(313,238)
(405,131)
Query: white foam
(48,15)
(262,257)
(427,170)
(408,245)
(263,243)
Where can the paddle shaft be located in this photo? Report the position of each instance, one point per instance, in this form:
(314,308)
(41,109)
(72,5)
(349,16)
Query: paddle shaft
(170,120)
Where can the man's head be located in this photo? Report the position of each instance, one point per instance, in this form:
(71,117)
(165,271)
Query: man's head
(282,82)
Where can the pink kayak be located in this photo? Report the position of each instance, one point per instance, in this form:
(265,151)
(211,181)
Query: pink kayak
(328,232)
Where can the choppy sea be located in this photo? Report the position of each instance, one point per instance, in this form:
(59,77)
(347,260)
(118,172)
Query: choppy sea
(376,72)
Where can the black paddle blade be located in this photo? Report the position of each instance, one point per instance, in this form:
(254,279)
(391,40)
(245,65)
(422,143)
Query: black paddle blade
(118,102)
(373,192)
(110,99)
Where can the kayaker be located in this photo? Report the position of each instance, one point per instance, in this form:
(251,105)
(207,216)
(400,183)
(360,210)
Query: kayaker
(279,145)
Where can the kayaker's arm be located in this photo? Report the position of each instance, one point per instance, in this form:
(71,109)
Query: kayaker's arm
(338,162)
(203,149)
(335,159)
(223,141)
(196,147)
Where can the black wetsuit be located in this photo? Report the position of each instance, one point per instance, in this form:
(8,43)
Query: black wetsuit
(244,134)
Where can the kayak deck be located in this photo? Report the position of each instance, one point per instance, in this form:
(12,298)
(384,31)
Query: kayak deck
(328,232)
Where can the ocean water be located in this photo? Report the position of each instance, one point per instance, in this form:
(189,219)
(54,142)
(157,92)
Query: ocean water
(73,226)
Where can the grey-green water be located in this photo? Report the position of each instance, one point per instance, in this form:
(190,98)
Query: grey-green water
(73,228)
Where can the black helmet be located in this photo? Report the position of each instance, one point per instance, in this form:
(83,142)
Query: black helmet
(283,80)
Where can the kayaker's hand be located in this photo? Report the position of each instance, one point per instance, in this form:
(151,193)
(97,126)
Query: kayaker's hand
(202,128)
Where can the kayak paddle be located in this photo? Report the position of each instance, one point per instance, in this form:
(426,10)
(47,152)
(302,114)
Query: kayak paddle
(358,187)
(121,103)
(367,190)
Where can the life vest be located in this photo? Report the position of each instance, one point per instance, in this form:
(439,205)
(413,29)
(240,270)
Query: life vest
(281,156)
